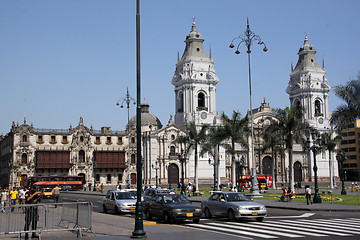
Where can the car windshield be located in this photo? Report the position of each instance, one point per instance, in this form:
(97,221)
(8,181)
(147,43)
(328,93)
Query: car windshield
(47,190)
(123,195)
(236,197)
(172,198)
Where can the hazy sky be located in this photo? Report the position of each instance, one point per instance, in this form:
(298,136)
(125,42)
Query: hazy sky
(72,58)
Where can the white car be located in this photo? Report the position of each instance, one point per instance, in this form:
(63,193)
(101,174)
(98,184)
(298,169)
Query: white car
(119,201)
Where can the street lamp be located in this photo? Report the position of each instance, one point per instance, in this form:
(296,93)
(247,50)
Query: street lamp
(248,38)
(127,99)
(341,157)
(315,148)
(156,172)
(182,159)
(139,226)
(215,175)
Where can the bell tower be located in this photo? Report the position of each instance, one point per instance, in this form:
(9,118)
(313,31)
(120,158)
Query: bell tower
(308,87)
(195,83)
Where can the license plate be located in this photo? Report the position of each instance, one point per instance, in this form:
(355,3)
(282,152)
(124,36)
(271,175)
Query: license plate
(254,213)
(132,208)
(189,214)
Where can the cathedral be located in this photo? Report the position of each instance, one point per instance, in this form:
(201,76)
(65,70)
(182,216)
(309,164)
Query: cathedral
(109,157)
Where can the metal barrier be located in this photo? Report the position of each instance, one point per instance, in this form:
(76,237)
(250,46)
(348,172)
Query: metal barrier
(39,218)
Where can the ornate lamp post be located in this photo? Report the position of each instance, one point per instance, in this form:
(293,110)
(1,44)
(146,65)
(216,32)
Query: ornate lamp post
(341,157)
(127,99)
(215,175)
(156,172)
(139,226)
(248,38)
(182,159)
(315,148)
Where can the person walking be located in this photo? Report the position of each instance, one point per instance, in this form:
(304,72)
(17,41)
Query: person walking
(4,198)
(308,194)
(56,193)
(102,188)
(22,192)
(31,212)
(14,195)
(85,185)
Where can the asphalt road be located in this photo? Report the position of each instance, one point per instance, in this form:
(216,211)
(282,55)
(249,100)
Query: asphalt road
(280,223)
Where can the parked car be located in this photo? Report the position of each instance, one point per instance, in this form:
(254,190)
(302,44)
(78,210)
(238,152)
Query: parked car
(233,205)
(65,188)
(46,193)
(171,207)
(149,192)
(119,201)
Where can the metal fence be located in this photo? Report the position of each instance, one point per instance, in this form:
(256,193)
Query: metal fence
(39,218)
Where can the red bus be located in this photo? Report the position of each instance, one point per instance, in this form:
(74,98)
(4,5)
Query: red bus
(75,182)
(263,181)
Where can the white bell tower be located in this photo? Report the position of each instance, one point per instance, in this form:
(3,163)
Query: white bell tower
(308,87)
(195,83)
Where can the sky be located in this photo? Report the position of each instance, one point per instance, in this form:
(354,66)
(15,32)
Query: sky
(62,60)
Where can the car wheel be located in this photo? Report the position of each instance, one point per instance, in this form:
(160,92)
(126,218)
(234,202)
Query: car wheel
(207,213)
(116,210)
(231,215)
(104,209)
(166,218)
(197,220)
(260,219)
(148,215)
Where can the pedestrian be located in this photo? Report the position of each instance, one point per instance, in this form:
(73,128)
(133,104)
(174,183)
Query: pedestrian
(97,187)
(290,194)
(85,185)
(308,194)
(102,188)
(14,195)
(284,194)
(89,186)
(31,212)
(22,195)
(189,189)
(56,193)
(4,198)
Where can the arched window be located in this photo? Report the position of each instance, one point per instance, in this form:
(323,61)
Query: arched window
(317,108)
(132,158)
(81,139)
(119,177)
(181,102)
(24,138)
(297,103)
(172,150)
(81,156)
(108,178)
(24,158)
(132,140)
(201,100)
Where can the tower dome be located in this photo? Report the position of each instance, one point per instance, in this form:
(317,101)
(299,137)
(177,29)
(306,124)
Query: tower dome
(148,120)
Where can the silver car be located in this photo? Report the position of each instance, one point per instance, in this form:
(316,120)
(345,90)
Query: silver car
(232,205)
(119,201)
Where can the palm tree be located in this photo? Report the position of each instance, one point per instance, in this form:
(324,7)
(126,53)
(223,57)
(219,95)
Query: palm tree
(211,145)
(329,144)
(348,112)
(293,128)
(236,131)
(194,138)
(272,141)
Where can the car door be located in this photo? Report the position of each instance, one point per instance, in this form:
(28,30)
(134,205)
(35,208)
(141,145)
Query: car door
(112,201)
(212,204)
(158,206)
(222,205)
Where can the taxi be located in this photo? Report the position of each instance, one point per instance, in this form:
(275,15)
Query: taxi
(46,193)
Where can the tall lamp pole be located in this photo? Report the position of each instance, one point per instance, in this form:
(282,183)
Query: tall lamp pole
(341,157)
(315,148)
(139,226)
(127,99)
(215,176)
(156,172)
(182,158)
(248,38)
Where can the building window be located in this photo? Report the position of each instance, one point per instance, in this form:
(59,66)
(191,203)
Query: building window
(81,156)
(97,140)
(120,140)
(172,150)
(317,108)
(40,139)
(82,139)
(132,158)
(173,137)
(119,177)
(24,158)
(97,178)
(24,138)
(108,140)
(201,100)
(64,139)
(108,178)
(52,139)
(132,140)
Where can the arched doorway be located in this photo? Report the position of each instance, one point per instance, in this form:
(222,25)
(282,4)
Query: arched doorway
(173,174)
(297,172)
(267,166)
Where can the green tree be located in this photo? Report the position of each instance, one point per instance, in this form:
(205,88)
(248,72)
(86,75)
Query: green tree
(236,130)
(329,141)
(292,126)
(348,112)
